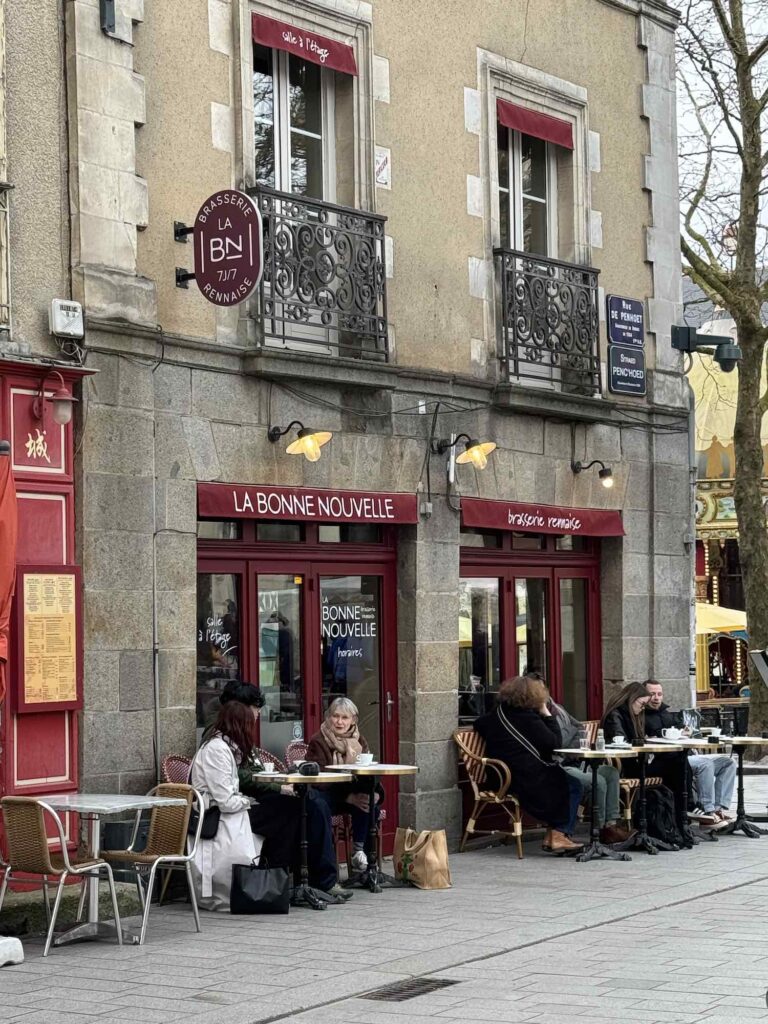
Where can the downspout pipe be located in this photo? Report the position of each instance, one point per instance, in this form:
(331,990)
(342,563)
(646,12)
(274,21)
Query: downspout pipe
(691,540)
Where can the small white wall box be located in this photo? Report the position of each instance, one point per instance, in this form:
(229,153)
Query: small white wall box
(65,319)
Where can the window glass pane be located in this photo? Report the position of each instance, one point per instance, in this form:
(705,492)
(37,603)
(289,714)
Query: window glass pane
(350,533)
(534,227)
(280,669)
(506,229)
(350,627)
(531,626)
(527,542)
(573,638)
(304,95)
(218,639)
(219,529)
(280,533)
(479,539)
(306,165)
(502,148)
(571,543)
(533,166)
(263,115)
(479,646)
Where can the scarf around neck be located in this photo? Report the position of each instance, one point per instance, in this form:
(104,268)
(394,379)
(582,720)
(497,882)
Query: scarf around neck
(344,749)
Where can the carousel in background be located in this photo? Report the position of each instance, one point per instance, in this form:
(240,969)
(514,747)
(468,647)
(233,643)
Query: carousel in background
(721,636)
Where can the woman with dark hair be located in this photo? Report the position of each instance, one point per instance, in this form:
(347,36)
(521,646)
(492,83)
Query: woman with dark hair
(522,733)
(214,774)
(624,715)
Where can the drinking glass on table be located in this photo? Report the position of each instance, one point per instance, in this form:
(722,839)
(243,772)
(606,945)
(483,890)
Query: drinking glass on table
(583,740)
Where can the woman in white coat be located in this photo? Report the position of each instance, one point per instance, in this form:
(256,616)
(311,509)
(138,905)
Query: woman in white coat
(214,775)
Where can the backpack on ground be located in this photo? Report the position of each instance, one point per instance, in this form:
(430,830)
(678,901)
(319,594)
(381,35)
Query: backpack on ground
(660,815)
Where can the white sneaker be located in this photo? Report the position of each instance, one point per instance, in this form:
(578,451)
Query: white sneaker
(359,860)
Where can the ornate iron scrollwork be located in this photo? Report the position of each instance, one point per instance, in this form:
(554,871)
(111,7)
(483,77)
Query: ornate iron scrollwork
(324,282)
(550,321)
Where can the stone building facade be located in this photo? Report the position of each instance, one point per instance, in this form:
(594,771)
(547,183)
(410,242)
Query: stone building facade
(483,170)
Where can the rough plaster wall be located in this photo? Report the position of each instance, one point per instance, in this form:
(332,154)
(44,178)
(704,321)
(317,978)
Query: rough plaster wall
(37,161)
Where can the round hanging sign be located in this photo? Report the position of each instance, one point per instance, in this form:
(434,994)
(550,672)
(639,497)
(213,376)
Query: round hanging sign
(228,247)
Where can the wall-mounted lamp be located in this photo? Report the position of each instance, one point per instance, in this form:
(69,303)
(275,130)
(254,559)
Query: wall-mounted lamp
(308,442)
(605,472)
(62,401)
(475,451)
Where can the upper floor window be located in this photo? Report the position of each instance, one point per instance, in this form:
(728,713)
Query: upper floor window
(294,132)
(527,183)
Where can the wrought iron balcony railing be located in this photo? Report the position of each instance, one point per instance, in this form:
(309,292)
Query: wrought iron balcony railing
(550,321)
(324,284)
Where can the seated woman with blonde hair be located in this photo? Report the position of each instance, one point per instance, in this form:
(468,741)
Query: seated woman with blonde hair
(522,733)
(339,742)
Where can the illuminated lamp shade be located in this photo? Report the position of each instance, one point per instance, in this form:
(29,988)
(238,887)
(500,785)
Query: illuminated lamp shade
(606,476)
(308,443)
(476,452)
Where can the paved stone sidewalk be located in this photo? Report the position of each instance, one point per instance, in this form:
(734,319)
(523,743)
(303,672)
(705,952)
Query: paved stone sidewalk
(681,937)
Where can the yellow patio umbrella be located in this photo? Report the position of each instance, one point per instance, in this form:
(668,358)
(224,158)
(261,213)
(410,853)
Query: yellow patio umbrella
(712,618)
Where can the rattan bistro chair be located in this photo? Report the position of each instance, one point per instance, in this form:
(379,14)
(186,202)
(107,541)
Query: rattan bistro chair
(628,788)
(29,852)
(472,753)
(166,845)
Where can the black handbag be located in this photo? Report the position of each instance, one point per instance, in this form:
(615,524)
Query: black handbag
(211,820)
(259,889)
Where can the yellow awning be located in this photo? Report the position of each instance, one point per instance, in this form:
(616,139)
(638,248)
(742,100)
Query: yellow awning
(712,618)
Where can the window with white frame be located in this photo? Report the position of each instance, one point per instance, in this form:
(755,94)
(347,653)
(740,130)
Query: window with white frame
(294,132)
(527,193)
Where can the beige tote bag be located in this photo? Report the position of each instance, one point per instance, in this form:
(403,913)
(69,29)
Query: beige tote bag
(421,858)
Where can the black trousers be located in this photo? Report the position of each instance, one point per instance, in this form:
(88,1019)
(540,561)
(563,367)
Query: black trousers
(277,819)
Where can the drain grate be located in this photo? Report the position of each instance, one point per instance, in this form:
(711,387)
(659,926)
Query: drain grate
(402,990)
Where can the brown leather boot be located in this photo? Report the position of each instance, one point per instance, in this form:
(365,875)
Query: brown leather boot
(546,843)
(562,844)
(611,834)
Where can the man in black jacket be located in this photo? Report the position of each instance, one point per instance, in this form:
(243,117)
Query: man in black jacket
(712,775)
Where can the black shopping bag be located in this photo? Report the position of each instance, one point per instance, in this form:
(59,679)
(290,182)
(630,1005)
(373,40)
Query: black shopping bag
(259,889)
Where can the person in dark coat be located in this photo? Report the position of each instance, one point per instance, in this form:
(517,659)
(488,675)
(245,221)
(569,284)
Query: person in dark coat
(522,733)
(625,714)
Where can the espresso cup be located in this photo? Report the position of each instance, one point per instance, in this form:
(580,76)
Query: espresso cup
(269,768)
(364,759)
(618,738)
(715,732)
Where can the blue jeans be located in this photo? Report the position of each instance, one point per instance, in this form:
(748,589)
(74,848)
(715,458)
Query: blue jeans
(714,776)
(575,792)
(337,804)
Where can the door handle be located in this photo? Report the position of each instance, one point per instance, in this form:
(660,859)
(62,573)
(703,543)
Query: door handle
(390,704)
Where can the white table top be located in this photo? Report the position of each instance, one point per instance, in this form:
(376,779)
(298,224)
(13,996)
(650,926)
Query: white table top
(374,769)
(592,755)
(108,803)
(689,741)
(295,779)
(747,741)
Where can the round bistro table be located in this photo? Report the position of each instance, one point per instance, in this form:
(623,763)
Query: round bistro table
(742,822)
(304,895)
(373,878)
(596,850)
(641,840)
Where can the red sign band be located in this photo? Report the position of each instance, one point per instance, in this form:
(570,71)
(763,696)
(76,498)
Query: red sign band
(328,53)
(523,518)
(303,504)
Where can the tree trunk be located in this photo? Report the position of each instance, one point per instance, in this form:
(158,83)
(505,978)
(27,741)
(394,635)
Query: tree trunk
(753,535)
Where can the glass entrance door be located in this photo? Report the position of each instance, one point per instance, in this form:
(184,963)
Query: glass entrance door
(350,653)
(280,675)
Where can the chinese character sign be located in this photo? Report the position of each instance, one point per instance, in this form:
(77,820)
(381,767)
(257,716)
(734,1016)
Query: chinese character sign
(228,247)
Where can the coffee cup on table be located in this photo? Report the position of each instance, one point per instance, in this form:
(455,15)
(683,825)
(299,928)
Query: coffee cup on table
(715,732)
(364,759)
(618,740)
(269,767)
(671,733)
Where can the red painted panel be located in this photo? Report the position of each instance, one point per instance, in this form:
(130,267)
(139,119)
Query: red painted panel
(37,446)
(41,749)
(304,504)
(516,515)
(42,528)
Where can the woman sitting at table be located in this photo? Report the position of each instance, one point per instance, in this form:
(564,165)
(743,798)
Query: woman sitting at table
(625,716)
(522,733)
(214,774)
(339,742)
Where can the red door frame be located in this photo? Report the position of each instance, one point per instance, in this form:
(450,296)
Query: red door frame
(313,560)
(506,565)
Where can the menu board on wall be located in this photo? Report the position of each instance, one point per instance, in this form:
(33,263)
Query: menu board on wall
(48,623)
